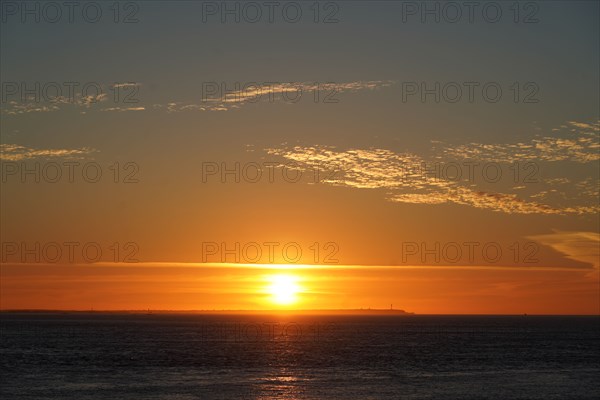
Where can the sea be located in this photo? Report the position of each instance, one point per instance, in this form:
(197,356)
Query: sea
(179,356)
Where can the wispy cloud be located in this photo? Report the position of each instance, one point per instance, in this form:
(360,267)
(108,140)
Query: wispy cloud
(123,109)
(231,100)
(13,152)
(578,246)
(177,107)
(273,92)
(126,85)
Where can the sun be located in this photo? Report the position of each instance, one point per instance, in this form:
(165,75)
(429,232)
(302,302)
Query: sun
(283,289)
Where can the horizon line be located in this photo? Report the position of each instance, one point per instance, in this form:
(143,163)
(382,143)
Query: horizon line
(399,312)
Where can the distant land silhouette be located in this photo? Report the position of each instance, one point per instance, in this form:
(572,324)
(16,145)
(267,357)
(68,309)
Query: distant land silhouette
(345,311)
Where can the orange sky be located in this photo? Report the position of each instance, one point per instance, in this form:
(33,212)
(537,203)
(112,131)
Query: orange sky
(484,290)
(404,156)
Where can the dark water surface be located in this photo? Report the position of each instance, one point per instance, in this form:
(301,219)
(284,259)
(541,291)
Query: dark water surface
(179,357)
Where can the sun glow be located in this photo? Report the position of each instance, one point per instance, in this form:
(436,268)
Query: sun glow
(283,289)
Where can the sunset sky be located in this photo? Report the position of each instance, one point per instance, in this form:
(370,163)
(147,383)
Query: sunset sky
(205,199)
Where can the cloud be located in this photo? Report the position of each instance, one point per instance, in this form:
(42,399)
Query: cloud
(225,99)
(75,99)
(578,142)
(501,202)
(409,178)
(384,169)
(14,108)
(126,85)
(122,109)
(590,128)
(256,92)
(578,246)
(55,104)
(367,169)
(177,107)
(13,152)
(240,96)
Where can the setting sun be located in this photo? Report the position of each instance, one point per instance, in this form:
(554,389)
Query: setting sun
(283,289)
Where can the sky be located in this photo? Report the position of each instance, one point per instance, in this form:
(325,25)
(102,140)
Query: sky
(213,155)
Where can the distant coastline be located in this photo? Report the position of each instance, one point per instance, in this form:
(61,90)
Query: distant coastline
(367,311)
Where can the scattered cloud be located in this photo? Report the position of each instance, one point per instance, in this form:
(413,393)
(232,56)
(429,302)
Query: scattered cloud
(406,177)
(55,104)
(579,142)
(383,169)
(14,108)
(502,202)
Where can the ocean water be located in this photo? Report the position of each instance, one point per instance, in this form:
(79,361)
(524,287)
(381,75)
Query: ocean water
(186,356)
